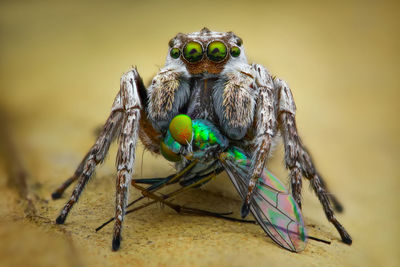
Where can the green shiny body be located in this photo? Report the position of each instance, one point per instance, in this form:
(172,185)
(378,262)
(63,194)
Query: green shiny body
(272,205)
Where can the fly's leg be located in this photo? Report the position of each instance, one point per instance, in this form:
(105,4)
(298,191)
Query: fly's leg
(152,195)
(187,210)
(155,186)
(158,183)
(174,178)
(177,208)
(150,181)
(299,161)
(156,198)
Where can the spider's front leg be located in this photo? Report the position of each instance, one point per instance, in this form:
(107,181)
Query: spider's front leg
(94,157)
(265,129)
(123,120)
(298,160)
(126,151)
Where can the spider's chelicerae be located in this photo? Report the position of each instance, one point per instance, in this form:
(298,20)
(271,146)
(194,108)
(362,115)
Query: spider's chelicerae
(206,77)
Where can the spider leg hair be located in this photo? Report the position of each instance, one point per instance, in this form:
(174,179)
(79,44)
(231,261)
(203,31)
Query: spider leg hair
(130,98)
(123,122)
(265,129)
(94,157)
(298,160)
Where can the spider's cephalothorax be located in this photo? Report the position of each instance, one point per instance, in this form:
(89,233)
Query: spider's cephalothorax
(206,76)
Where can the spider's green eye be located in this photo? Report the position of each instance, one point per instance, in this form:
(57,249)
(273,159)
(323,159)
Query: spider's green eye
(216,51)
(235,51)
(193,51)
(175,53)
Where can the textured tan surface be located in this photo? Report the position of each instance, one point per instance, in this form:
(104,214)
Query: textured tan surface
(60,67)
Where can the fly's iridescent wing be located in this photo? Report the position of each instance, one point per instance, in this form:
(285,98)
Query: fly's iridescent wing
(272,205)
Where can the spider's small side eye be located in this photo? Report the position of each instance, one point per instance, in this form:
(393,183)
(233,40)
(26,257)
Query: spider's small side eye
(235,51)
(193,51)
(216,51)
(175,53)
(239,42)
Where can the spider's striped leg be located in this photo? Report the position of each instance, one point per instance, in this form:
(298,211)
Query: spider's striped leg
(131,105)
(264,131)
(99,149)
(95,156)
(78,172)
(336,203)
(299,161)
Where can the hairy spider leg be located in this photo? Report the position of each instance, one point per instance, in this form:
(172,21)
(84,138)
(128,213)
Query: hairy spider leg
(300,160)
(275,110)
(98,151)
(78,172)
(94,157)
(123,122)
(336,203)
(60,190)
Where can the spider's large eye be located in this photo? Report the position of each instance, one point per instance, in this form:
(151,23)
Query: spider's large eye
(193,51)
(235,51)
(175,53)
(216,51)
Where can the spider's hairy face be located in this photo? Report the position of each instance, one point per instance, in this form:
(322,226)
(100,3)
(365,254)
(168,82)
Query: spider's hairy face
(206,51)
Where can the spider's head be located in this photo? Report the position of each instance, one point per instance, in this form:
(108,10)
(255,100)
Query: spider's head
(206,51)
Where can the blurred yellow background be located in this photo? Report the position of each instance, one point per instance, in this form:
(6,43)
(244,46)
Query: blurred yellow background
(60,64)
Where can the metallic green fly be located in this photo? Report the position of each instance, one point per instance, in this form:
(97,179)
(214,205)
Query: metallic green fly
(206,152)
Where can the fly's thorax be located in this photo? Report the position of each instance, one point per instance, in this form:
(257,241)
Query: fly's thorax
(205,51)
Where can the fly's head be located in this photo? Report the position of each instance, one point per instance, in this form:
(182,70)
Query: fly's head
(206,52)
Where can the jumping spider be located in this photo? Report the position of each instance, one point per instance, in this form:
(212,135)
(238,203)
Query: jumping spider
(206,76)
